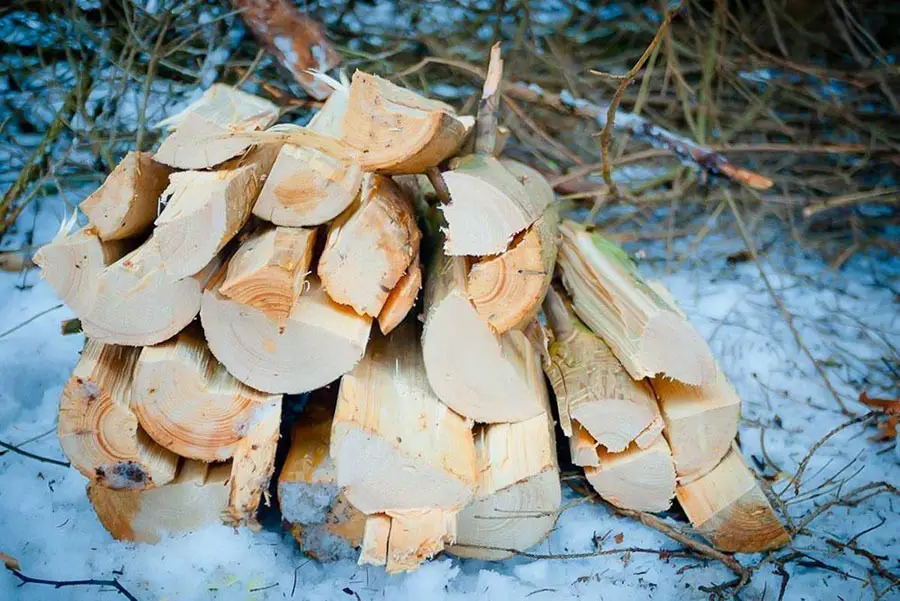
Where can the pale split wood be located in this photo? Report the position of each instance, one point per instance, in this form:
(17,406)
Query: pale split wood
(319,341)
(646,334)
(489,105)
(637,479)
(128,201)
(376,533)
(97,429)
(330,118)
(394,444)
(187,401)
(269,270)
(402,298)
(583,446)
(203,135)
(370,247)
(195,498)
(401,541)
(728,508)
(204,210)
(396,130)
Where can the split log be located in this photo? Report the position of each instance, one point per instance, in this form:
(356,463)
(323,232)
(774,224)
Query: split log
(203,135)
(518,495)
(637,479)
(188,403)
(489,205)
(195,498)
(395,445)
(583,447)
(376,533)
(701,422)
(138,303)
(728,508)
(128,201)
(402,541)
(646,334)
(320,341)
(72,264)
(370,247)
(592,387)
(397,130)
(253,466)
(206,209)
(402,298)
(330,118)
(269,270)
(97,429)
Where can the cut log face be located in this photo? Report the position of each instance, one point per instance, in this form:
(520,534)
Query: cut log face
(72,264)
(319,342)
(478,374)
(269,269)
(370,247)
(206,209)
(394,444)
(397,130)
(592,387)
(308,187)
(201,138)
(97,429)
(188,403)
(253,465)
(637,479)
(127,203)
(700,422)
(402,298)
(646,334)
(583,447)
(728,508)
(196,498)
(489,205)
(138,304)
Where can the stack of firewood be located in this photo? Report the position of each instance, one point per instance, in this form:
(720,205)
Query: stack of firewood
(288,242)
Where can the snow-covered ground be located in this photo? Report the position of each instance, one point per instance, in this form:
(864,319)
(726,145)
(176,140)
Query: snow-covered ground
(849,321)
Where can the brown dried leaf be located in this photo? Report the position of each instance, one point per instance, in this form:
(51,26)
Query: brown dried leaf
(9,562)
(619,538)
(890,406)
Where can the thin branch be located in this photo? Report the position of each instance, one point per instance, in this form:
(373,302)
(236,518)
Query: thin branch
(66,583)
(18,451)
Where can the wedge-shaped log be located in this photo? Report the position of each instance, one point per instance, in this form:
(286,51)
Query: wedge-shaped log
(376,533)
(397,130)
(269,269)
(97,429)
(127,203)
(489,205)
(478,374)
(583,446)
(402,298)
(518,494)
(253,465)
(644,331)
(728,508)
(138,304)
(637,479)
(72,264)
(202,136)
(319,342)
(188,403)
(370,247)
(330,118)
(401,541)
(394,444)
(592,387)
(206,209)
(195,498)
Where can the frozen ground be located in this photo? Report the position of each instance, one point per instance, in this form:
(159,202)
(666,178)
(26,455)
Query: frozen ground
(849,321)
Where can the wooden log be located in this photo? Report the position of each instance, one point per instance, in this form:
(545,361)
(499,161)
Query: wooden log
(646,334)
(376,533)
(97,429)
(330,118)
(637,479)
(370,247)
(402,298)
(319,342)
(489,205)
(397,130)
(206,209)
(203,132)
(478,374)
(728,508)
(72,263)
(518,494)
(269,270)
(394,444)
(583,447)
(592,387)
(401,541)
(188,403)
(252,466)
(138,304)
(128,201)
(195,498)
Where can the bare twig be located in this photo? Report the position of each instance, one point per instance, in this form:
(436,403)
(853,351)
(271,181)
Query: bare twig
(488,106)
(67,583)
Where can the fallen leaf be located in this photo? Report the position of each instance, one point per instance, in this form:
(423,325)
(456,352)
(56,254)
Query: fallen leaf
(619,538)
(887,430)
(891,406)
(10,562)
